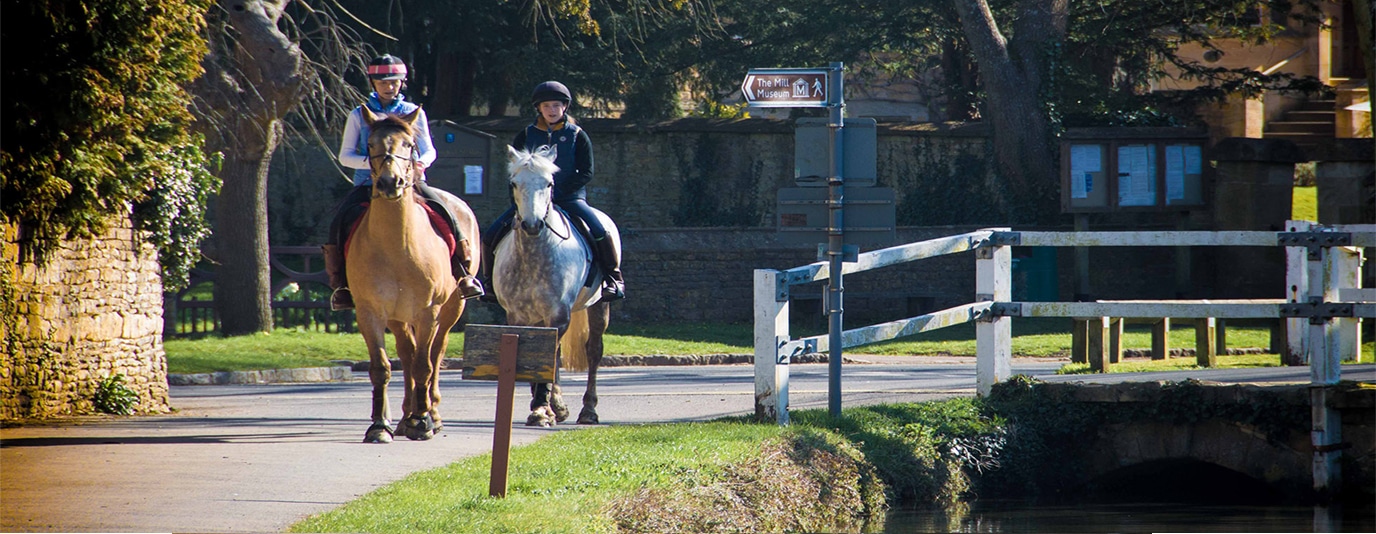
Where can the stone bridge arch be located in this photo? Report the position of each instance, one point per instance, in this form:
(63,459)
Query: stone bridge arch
(1078,438)
(1283,465)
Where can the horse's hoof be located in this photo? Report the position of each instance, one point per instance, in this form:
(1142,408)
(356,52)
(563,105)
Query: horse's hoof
(556,403)
(418,428)
(540,417)
(587,417)
(378,433)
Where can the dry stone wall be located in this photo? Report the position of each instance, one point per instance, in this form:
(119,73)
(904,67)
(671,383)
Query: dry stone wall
(725,173)
(93,310)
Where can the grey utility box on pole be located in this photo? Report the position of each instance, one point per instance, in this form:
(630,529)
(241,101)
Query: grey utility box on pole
(810,164)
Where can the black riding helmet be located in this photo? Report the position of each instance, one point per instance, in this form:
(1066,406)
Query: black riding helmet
(386,67)
(550,90)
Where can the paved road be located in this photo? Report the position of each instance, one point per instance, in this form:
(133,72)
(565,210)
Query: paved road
(257,458)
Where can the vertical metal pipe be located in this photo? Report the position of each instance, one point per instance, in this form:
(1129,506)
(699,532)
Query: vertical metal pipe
(835,239)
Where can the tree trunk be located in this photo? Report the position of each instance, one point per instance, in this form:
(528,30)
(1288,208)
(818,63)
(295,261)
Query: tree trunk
(254,77)
(1012,75)
(242,279)
(1365,12)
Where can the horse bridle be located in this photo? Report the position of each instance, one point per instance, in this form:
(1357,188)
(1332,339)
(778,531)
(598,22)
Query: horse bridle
(549,212)
(411,162)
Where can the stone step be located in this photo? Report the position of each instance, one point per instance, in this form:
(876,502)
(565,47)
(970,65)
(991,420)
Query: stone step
(1300,139)
(1317,105)
(1316,127)
(1311,116)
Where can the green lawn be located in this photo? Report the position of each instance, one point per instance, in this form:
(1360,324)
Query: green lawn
(560,484)
(1305,204)
(295,348)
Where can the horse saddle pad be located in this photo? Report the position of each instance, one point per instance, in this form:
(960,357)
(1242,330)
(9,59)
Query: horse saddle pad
(437,221)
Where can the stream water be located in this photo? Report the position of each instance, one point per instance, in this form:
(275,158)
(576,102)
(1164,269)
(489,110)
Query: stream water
(1018,516)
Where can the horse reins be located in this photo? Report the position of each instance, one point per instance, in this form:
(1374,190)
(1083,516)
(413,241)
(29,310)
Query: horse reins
(411,160)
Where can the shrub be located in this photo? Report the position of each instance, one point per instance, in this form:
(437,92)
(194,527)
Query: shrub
(113,397)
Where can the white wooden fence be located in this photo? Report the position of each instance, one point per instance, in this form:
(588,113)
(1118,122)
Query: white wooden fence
(1324,299)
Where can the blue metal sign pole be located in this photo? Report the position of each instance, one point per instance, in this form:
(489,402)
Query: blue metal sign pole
(835,238)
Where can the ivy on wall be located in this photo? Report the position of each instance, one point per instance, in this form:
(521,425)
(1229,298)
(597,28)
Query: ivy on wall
(99,120)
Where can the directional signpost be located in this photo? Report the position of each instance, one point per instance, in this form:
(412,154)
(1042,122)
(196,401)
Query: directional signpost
(810,88)
(786,88)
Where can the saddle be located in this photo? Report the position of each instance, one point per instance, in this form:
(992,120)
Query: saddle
(438,222)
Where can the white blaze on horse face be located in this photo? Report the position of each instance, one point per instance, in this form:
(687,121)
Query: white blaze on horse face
(532,181)
(533,194)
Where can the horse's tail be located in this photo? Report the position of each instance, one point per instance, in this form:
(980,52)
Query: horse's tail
(574,344)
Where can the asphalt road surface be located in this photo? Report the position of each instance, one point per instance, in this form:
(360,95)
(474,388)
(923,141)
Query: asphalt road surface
(257,458)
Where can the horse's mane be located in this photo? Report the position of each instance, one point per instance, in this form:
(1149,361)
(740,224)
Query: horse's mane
(534,162)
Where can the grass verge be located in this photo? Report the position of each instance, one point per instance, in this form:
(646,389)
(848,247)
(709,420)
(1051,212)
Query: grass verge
(562,483)
(817,475)
(285,348)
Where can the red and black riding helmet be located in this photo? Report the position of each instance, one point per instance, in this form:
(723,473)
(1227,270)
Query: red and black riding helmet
(386,67)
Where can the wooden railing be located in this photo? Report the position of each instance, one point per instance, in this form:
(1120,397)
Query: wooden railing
(300,297)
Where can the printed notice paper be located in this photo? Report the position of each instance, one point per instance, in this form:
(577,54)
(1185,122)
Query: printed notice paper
(1084,161)
(1136,175)
(472,179)
(1175,172)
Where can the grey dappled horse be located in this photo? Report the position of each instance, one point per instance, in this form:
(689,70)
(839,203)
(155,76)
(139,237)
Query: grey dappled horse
(543,275)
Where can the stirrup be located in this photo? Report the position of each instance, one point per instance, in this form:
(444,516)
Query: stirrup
(612,291)
(472,289)
(341,299)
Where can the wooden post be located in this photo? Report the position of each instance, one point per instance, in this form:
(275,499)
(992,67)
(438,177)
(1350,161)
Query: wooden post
(1115,342)
(1079,341)
(1221,336)
(1277,345)
(507,354)
(1204,353)
(1161,339)
(1098,345)
(771,329)
(501,426)
(1081,260)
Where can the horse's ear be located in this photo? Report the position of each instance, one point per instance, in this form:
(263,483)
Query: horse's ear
(410,118)
(513,154)
(547,152)
(370,116)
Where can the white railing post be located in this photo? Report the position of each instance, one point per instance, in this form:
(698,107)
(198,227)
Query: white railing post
(771,330)
(1345,271)
(1296,291)
(993,336)
(1325,369)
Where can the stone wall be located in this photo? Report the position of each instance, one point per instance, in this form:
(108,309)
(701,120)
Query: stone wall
(94,309)
(706,275)
(693,173)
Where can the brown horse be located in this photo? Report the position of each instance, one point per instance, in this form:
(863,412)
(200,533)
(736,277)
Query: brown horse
(401,279)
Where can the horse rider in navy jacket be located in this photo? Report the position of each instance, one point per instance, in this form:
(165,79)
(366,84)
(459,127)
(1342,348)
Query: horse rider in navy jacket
(555,128)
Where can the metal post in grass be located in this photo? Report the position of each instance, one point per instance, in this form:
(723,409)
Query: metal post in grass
(507,354)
